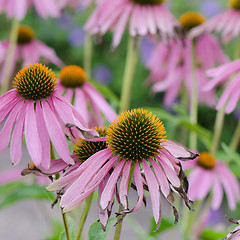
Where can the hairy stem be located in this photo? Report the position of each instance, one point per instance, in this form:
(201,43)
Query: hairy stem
(87,55)
(236,137)
(65,223)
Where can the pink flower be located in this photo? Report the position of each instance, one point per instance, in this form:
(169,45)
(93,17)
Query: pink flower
(226,23)
(220,76)
(18,8)
(29,50)
(75,3)
(135,142)
(76,89)
(207,175)
(34,108)
(143,17)
(235,234)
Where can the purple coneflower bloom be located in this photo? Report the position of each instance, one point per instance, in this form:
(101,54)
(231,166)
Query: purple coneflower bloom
(226,23)
(30,50)
(18,8)
(76,89)
(235,234)
(76,3)
(136,143)
(144,17)
(34,108)
(171,63)
(220,75)
(209,174)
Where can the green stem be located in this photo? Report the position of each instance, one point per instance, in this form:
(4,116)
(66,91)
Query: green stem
(236,137)
(194,100)
(87,55)
(118,228)
(131,61)
(10,55)
(84,215)
(65,223)
(218,129)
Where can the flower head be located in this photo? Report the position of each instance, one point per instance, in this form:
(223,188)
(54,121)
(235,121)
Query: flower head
(226,23)
(135,142)
(190,20)
(216,177)
(33,107)
(143,17)
(74,85)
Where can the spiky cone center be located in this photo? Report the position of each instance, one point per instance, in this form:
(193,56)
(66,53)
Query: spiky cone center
(35,82)
(85,149)
(136,135)
(206,160)
(235,4)
(72,76)
(25,34)
(148,2)
(190,20)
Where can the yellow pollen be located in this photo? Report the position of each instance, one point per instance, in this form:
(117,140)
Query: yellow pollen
(206,160)
(72,76)
(190,20)
(148,2)
(235,4)
(35,82)
(25,34)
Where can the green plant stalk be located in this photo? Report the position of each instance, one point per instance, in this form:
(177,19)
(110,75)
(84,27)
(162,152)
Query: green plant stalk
(87,54)
(118,228)
(10,55)
(194,100)
(218,129)
(65,223)
(84,215)
(235,139)
(131,61)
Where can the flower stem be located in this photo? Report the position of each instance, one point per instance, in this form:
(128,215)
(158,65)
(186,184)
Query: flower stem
(218,129)
(10,55)
(88,202)
(131,61)
(65,223)
(236,137)
(118,228)
(194,100)
(87,55)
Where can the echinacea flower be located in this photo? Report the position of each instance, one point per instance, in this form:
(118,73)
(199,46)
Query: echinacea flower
(143,17)
(235,234)
(209,174)
(29,50)
(171,63)
(18,9)
(34,108)
(74,86)
(226,23)
(220,76)
(76,3)
(135,142)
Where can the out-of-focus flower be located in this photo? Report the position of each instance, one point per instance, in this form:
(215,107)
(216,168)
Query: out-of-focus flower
(135,142)
(65,21)
(146,49)
(34,108)
(76,37)
(209,174)
(210,8)
(75,88)
(29,50)
(235,234)
(226,23)
(18,8)
(102,74)
(142,17)
(171,64)
(77,3)
(220,76)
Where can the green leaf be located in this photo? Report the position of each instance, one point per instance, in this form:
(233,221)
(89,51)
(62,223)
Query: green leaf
(95,231)
(25,192)
(210,234)
(165,224)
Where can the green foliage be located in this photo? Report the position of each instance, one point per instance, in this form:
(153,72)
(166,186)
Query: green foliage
(210,234)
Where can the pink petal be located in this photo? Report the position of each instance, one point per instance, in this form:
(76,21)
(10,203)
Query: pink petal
(217,194)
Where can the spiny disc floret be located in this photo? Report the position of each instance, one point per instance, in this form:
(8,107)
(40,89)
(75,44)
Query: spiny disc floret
(148,2)
(85,149)
(206,160)
(136,135)
(25,34)
(72,76)
(35,82)
(235,4)
(190,20)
